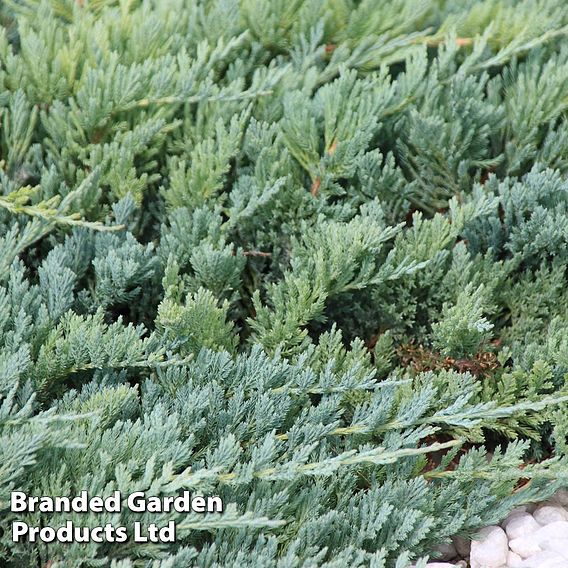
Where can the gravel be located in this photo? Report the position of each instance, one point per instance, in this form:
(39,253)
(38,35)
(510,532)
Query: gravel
(533,536)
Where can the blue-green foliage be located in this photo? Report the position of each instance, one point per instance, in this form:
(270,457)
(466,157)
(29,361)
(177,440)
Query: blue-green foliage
(308,255)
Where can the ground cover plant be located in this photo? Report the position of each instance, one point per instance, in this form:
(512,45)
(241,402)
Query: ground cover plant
(306,255)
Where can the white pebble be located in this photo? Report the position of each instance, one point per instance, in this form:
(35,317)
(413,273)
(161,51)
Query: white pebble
(513,560)
(550,514)
(516,511)
(513,515)
(545,559)
(557,529)
(558,545)
(521,525)
(525,546)
(489,549)
(561,497)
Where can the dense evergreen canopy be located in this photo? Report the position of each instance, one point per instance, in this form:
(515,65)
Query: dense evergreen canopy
(306,255)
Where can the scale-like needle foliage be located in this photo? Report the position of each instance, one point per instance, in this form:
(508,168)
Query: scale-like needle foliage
(308,256)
